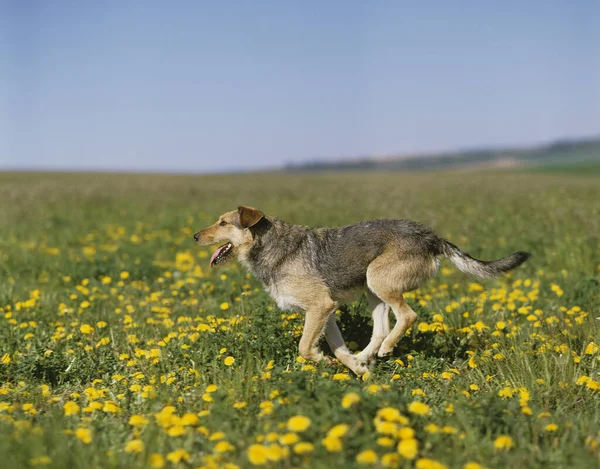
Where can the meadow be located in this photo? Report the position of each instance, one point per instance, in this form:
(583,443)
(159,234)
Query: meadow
(121,348)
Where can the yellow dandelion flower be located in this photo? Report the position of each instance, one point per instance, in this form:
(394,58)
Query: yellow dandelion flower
(189,419)
(71,408)
(84,435)
(203,431)
(224,306)
(551,427)
(504,442)
(473,465)
(593,385)
(432,428)
(211,388)
(367,456)
(5,359)
(240,404)
(111,407)
(303,448)
(385,441)
(526,410)
(390,414)
(406,433)
(229,361)
(348,400)
(134,446)
(419,408)
(386,428)
(408,448)
(257,455)
(266,408)
(178,456)
(156,461)
(138,421)
(332,444)
(289,439)
(341,377)
(374,388)
(103,341)
(582,380)
(426,463)
(176,430)
(338,431)
(216,436)
(275,452)
(298,423)
(390,460)
(223,447)
(86,329)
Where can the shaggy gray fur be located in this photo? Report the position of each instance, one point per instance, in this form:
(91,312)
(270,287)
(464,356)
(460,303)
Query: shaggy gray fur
(341,256)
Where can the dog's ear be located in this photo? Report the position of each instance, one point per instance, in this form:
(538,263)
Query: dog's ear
(249,216)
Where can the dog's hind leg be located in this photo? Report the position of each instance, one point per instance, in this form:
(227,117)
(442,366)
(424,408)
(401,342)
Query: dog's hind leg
(389,276)
(338,346)
(381,327)
(405,317)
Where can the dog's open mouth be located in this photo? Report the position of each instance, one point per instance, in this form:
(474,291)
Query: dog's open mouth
(221,254)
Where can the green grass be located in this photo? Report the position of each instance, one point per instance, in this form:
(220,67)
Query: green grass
(108,310)
(582,168)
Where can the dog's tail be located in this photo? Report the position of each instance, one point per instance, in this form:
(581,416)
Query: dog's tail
(481,269)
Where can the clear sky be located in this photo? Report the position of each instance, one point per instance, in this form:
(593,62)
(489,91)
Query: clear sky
(221,85)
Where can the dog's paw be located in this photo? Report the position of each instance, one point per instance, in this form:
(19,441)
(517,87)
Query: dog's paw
(361,371)
(372,364)
(327,360)
(357,366)
(384,352)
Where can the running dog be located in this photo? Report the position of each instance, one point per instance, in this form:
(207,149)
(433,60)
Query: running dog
(317,269)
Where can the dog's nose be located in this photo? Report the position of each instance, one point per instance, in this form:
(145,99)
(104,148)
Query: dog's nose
(197,236)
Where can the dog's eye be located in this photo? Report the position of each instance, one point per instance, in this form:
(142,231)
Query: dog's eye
(223,223)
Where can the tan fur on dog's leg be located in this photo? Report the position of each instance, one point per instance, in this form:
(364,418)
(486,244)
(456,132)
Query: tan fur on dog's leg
(405,317)
(314,323)
(389,276)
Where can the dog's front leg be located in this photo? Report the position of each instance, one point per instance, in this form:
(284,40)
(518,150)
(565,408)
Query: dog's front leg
(314,323)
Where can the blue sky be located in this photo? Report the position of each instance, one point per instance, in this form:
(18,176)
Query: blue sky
(215,86)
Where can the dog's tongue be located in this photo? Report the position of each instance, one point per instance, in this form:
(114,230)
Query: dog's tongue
(219,250)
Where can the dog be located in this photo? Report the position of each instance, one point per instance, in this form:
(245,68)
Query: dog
(318,269)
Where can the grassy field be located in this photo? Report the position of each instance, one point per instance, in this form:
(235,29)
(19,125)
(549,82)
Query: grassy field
(120,348)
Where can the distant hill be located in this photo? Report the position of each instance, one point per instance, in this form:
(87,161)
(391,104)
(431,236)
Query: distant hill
(561,153)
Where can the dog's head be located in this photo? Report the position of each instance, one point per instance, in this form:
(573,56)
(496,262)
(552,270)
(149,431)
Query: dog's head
(233,228)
